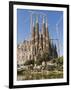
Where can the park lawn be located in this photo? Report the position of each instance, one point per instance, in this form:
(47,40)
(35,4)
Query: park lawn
(35,75)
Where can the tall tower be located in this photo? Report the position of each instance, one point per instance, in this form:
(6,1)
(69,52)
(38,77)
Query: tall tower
(44,34)
(36,34)
(32,37)
(47,38)
(33,33)
(40,43)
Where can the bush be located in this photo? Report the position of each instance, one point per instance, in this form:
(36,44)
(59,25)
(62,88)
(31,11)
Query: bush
(51,67)
(45,57)
(58,62)
(29,62)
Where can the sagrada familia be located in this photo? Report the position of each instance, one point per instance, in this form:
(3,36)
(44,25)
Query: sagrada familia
(38,44)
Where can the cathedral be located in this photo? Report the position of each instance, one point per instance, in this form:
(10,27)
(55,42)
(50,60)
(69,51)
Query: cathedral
(40,40)
(38,44)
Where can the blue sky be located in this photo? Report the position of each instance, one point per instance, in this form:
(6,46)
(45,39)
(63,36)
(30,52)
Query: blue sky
(53,17)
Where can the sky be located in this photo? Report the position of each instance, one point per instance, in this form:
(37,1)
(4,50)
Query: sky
(53,18)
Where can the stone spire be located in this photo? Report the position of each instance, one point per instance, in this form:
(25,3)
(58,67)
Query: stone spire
(33,37)
(37,33)
(43,19)
(36,18)
(44,33)
(47,37)
(33,31)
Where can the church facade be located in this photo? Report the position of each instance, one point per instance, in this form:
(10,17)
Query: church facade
(38,44)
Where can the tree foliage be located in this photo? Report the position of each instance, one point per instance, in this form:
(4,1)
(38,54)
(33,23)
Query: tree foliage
(44,58)
(59,63)
(28,62)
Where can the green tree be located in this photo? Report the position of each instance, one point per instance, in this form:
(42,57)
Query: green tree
(40,58)
(29,62)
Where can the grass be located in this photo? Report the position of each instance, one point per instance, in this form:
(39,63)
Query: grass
(35,75)
(53,75)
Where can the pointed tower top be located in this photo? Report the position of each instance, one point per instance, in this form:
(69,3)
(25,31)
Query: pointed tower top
(36,18)
(43,19)
(46,22)
(33,23)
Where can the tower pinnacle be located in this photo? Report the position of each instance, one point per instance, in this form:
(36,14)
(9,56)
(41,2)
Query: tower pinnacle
(43,19)
(36,18)
(46,23)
